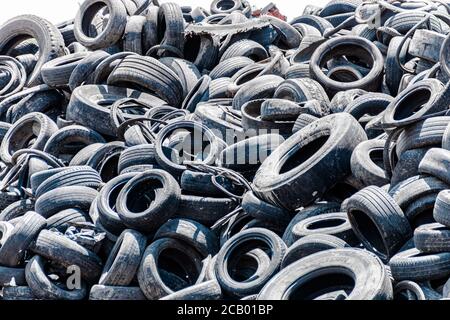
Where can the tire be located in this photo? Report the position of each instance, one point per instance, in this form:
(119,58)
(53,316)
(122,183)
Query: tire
(38,178)
(404,21)
(59,143)
(124,259)
(302,90)
(156,282)
(371,82)
(177,169)
(171,25)
(229,6)
(56,73)
(204,210)
(150,29)
(62,220)
(374,214)
(16,209)
(421,210)
(264,211)
(198,94)
(368,277)
(132,38)
(394,72)
(417,266)
(203,51)
(43,288)
(111,33)
(190,232)
(317,209)
(432,238)
(259,88)
(249,154)
(149,75)
(369,104)
(253,125)
(435,163)
(334,224)
(280,110)
(86,108)
(404,110)
(21,133)
(407,166)
(303,121)
(230,67)
(15,245)
(150,215)
(137,155)
(66,252)
(186,71)
(298,71)
(367,163)
(205,291)
(85,70)
(298,184)
(200,184)
(83,156)
(22,293)
(47,36)
(424,134)
(64,198)
(114,293)
(73,176)
(245,48)
(310,245)
(408,290)
(416,187)
(441,208)
(231,249)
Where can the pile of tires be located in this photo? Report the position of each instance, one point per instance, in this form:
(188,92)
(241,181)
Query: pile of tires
(152,151)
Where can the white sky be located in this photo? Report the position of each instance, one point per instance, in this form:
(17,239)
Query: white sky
(61,10)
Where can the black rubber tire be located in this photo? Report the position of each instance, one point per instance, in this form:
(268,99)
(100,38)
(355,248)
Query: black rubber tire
(302,90)
(85,70)
(245,48)
(114,293)
(407,166)
(113,30)
(435,163)
(335,224)
(229,67)
(82,136)
(373,215)
(442,207)
(66,252)
(47,36)
(56,73)
(156,282)
(171,25)
(43,288)
(186,71)
(298,184)
(259,88)
(423,134)
(86,107)
(369,277)
(16,209)
(303,121)
(132,38)
(200,184)
(190,232)
(123,262)
(371,82)
(310,245)
(432,238)
(245,241)
(64,198)
(137,155)
(149,75)
(280,110)
(367,163)
(20,293)
(22,132)
(155,210)
(209,290)
(417,266)
(25,231)
(264,211)
(413,103)
(73,176)
(62,220)
(205,210)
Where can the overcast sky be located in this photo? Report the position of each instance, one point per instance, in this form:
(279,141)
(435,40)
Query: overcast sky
(61,10)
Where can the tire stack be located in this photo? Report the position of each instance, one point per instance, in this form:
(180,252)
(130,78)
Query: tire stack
(163,152)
